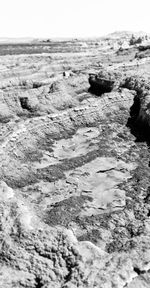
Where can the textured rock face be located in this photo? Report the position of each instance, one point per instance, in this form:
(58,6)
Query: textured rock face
(102,82)
(142,88)
(74,173)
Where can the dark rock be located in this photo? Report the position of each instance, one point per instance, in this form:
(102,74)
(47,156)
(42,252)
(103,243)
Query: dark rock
(102,82)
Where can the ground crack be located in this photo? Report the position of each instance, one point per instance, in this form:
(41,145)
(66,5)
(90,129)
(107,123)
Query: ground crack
(138,271)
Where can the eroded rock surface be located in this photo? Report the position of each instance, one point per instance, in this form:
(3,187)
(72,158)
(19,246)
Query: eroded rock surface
(74,172)
(102,82)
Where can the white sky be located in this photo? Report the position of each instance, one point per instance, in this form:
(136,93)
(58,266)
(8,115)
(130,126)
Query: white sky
(72,18)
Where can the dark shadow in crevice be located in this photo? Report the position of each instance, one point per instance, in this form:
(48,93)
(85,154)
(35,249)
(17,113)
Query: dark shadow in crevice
(139,271)
(24,101)
(95,92)
(38,282)
(139,128)
(98,90)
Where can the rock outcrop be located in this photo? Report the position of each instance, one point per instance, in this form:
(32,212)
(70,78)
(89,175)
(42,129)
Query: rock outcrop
(74,172)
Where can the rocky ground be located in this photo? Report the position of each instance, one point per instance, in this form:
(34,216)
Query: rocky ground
(74,166)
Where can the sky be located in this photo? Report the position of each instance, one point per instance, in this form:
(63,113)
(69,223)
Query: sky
(72,18)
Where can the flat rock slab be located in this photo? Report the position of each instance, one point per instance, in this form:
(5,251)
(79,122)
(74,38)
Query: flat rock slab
(79,144)
(98,180)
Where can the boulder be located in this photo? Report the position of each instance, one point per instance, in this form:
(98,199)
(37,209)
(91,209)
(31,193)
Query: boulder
(29,103)
(102,82)
(66,74)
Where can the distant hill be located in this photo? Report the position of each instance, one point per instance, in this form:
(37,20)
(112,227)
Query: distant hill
(16,40)
(116,35)
(125,34)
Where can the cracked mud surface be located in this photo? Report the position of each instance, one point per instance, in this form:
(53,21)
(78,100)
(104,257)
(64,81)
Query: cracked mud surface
(74,171)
